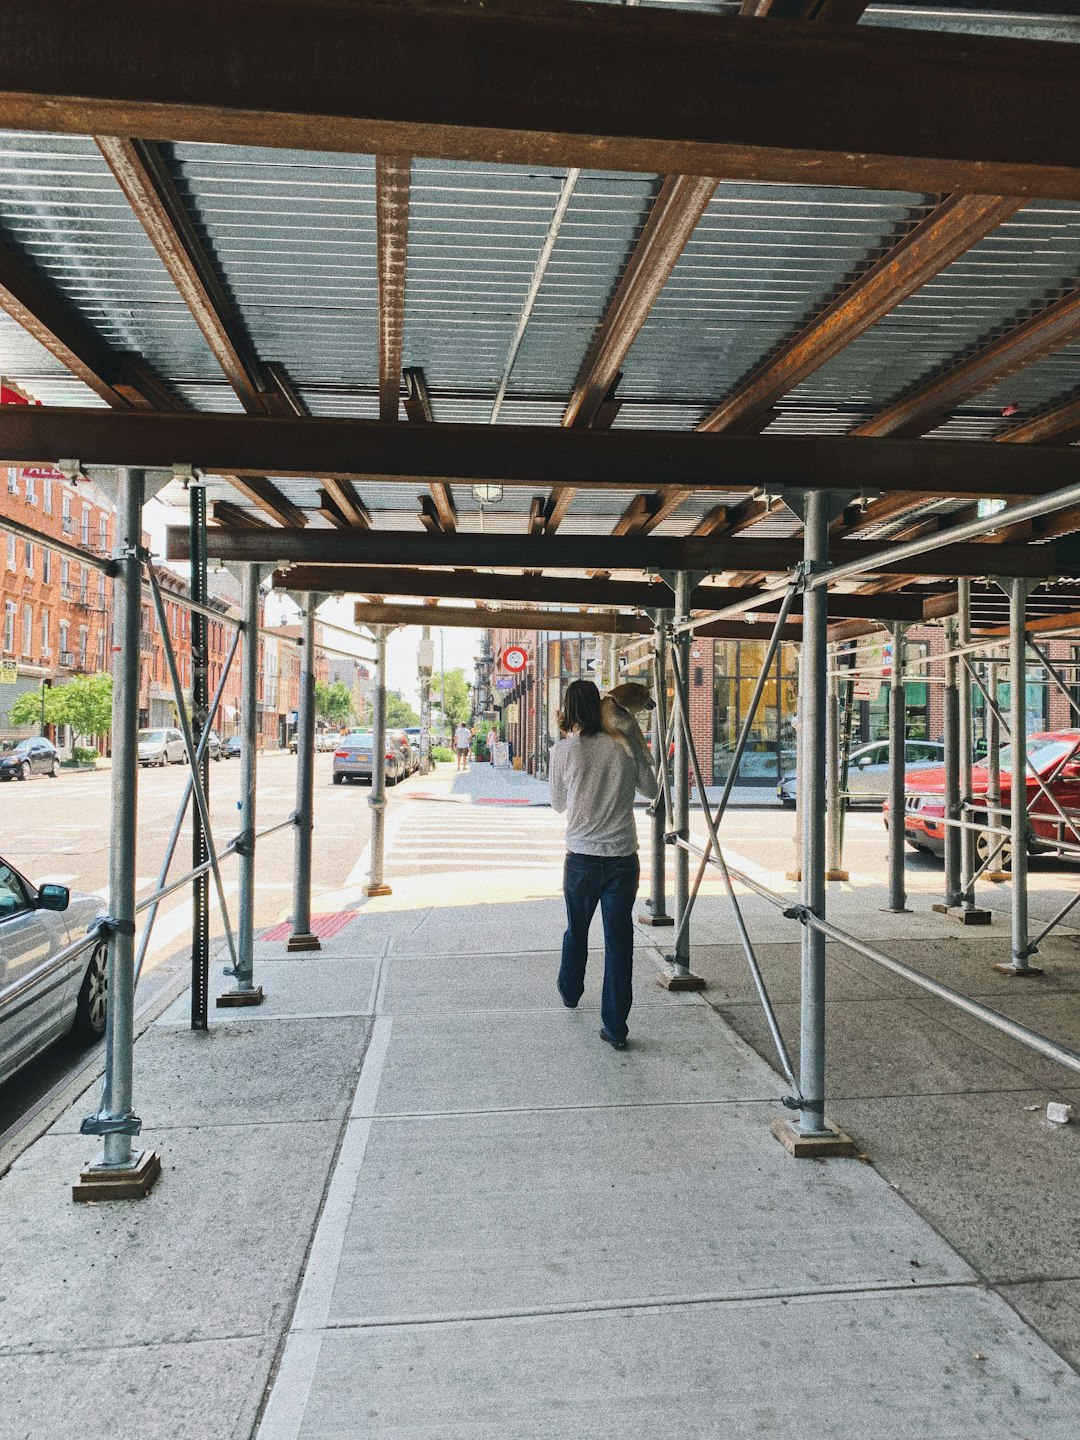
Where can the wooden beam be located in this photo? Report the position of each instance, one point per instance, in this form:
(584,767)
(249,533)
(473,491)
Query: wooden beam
(939,239)
(265,494)
(1069,621)
(1033,339)
(530,456)
(143,174)
(713,521)
(392,175)
(650,553)
(883,108)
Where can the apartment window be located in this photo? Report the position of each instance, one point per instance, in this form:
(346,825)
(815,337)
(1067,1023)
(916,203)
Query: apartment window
(65,653)
(9,626)
(101,650)
(28,557)
(44,634)
(84,588)
(103,532)
(31,495)
(66,524)
(86,525)
(82,647)
(101,590)
(28,630)
(12,552)
(46,566)
(65,578)
(13,482)
(46,495)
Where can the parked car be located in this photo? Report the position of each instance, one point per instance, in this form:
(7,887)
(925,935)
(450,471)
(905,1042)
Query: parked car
(19,759)
(410,759)
(352,759)
(326,740)
(413,732)
(230,747)
(161,747)
(1054,755)
(213,745)
(868,770)
(42,996)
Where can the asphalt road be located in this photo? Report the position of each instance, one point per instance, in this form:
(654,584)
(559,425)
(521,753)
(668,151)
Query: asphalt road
(59,830)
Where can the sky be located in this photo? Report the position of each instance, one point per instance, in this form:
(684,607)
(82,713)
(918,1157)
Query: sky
(459,647)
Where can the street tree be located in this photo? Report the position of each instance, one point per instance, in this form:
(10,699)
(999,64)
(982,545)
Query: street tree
(34,708)
(398,711)
(84,704)
(452,684)
(333,703)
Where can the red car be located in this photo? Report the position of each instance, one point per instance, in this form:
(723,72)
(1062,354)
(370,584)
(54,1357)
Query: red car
(1054,755)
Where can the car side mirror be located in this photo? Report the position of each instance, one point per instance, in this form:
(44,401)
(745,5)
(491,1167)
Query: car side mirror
(54,897)
(864,762)
(1071,771)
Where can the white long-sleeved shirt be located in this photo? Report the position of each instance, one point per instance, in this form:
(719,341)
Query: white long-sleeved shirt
(593,780)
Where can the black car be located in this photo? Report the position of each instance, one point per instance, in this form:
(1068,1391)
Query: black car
(22,758)
(230,747)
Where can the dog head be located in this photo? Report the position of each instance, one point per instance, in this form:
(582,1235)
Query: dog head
(632,697)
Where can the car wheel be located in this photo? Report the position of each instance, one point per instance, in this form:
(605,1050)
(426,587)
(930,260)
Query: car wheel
(986,844)
(338,779)
(54,768)
(24,770)
(90,1007)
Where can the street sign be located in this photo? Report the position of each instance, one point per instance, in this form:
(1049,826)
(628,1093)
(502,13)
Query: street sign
(504,682)
(425,656)
(514,659)
(8,674)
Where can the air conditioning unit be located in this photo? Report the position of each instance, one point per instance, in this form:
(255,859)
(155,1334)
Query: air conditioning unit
(67,658)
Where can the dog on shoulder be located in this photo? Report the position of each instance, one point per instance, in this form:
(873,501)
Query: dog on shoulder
(619,710)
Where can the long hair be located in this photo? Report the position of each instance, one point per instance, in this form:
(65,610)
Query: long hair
(581,708)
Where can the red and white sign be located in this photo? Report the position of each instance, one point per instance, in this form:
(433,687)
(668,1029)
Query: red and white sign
(514,659)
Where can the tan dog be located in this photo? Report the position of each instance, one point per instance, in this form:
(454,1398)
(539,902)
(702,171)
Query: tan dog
(619,709)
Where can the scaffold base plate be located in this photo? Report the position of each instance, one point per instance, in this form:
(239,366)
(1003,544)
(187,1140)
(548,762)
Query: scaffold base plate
(130,1183)
(965,914)
(680,982)
(233,998)
(645,918)
(377,890)
(303,941)
(1031,972)
(792,874)
(835,1145)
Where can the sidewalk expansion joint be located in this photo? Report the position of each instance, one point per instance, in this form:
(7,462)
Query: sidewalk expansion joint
(774,1101)
(659,1302)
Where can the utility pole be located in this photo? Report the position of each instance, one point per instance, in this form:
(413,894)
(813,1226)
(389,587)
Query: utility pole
(424,656)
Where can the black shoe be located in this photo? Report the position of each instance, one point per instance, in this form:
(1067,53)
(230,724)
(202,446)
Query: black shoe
(615,1044)
(570,1004)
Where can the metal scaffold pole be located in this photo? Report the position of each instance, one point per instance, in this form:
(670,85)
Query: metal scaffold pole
(813,684)
(834,860)
(118,1172)
(656,905)
(680,960)
(200,696)
(377,799)
(1017,591)
(951,702)
(246,991)
(424,670)
(302,937)
(897,746)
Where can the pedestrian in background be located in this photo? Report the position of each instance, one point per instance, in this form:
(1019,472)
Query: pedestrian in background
(492,740)
(593,779)
(462,741)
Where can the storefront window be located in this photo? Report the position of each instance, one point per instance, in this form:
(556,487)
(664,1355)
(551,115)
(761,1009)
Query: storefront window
(770,750)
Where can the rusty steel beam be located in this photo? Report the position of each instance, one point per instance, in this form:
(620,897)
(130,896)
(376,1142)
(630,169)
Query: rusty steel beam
(1033,339)
(282,395)
(442,512)
(842,12)
(1062,424)
(674,93)
(392,176)
(347,502)
(225,513)
(143,175)
(533,455)
(939,239)
(609,622)
(649,553)
(264,494)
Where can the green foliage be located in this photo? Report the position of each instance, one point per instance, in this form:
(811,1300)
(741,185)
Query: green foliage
(333,703)
(399,712)
(84,703)
(79,756)
(440,752)
(456,690)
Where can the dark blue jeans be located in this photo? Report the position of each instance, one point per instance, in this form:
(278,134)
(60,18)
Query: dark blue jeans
(610,881)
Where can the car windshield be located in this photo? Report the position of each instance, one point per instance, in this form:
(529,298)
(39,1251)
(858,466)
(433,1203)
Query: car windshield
(151,735)
(14,747)
(1043,754)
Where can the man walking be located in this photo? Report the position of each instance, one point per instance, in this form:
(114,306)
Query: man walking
(462,742)
(492,738)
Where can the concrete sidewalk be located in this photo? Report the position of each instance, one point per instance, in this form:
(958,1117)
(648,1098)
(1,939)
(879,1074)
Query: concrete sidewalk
(412,1195)
(491,784)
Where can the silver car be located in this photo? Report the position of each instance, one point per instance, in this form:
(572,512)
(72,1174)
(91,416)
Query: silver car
(42,994)
(161,747)
(352,759)
(868,770)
